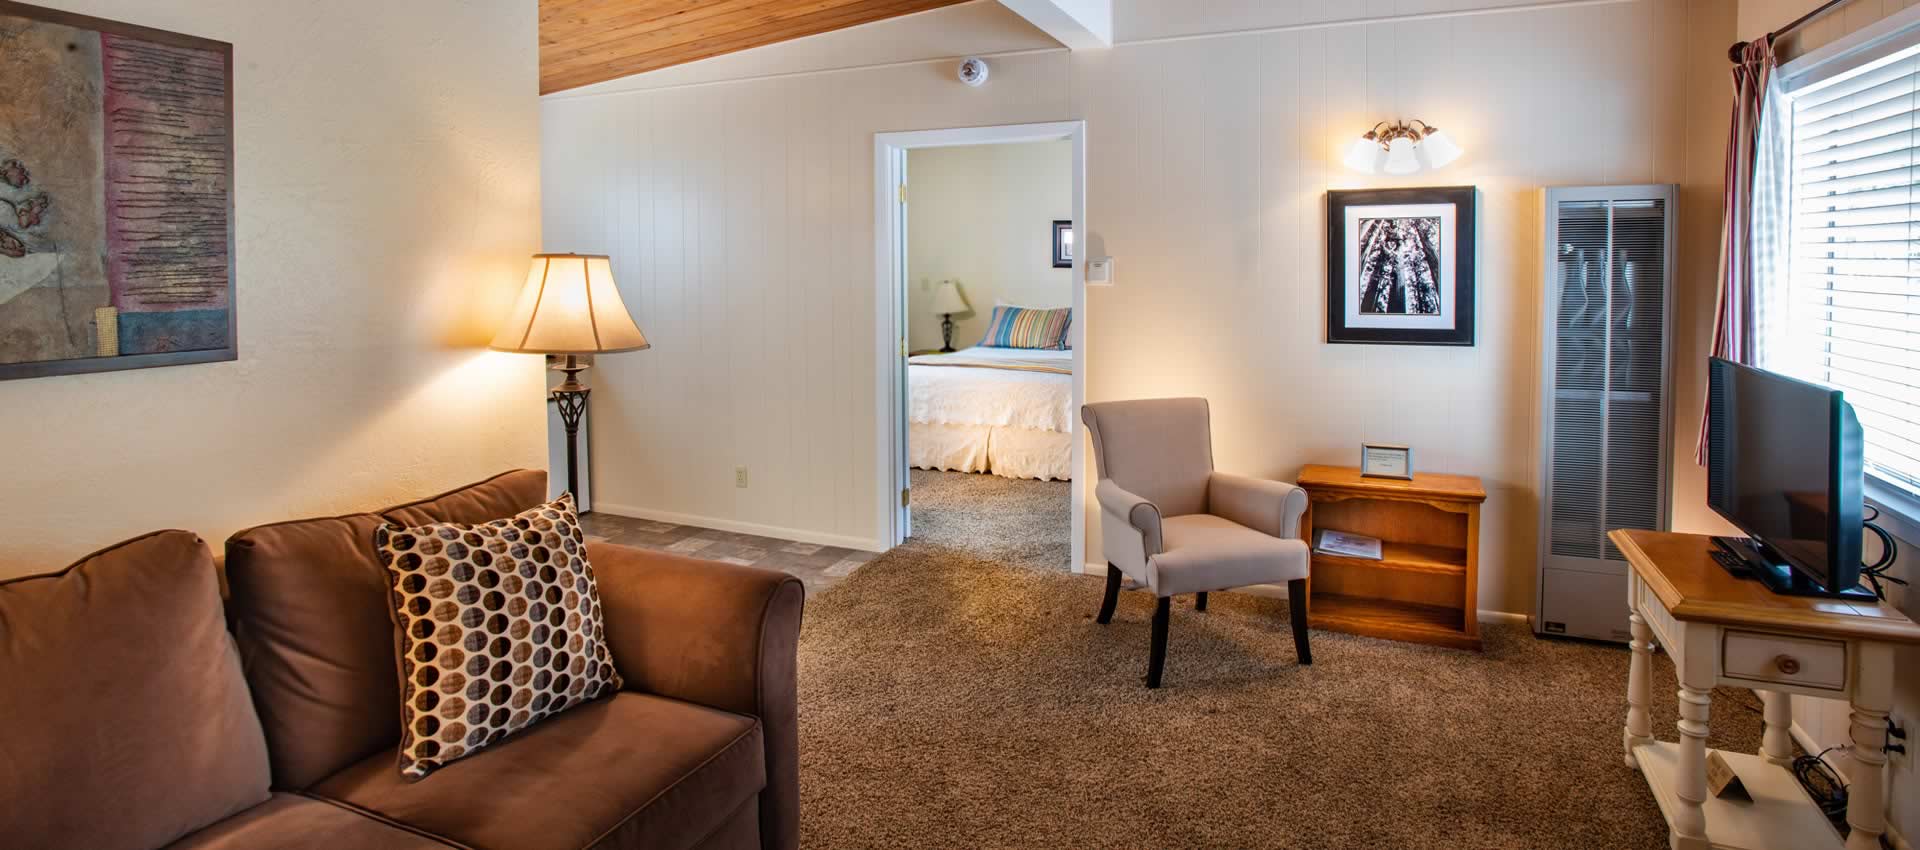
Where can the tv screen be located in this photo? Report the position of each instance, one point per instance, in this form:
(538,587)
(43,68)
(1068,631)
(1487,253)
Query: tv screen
(1783,464)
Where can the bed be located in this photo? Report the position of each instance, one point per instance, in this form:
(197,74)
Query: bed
(1007,411)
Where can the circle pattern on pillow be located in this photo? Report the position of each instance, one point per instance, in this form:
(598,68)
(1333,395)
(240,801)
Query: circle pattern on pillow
(499,626)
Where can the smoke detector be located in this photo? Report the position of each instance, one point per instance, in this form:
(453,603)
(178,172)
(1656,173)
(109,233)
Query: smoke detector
(973,71)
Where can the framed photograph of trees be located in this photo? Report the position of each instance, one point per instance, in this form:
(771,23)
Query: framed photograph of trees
(1400,266)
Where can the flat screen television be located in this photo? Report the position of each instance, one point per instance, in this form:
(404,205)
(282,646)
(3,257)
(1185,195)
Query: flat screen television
(1784,466)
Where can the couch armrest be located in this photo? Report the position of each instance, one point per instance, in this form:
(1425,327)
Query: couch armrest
(719,635)
(1271,507)
(1143,515)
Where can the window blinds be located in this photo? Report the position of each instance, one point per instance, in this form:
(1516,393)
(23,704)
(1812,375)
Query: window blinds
(1854,319)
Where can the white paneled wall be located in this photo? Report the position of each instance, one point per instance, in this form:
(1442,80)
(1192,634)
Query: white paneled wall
(740,221)
(739,217)
(983,215)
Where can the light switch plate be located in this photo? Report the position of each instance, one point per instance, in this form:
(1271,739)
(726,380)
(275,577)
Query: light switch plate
(1100,271)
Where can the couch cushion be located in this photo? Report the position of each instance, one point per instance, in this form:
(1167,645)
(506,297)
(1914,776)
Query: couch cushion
(128,723)
(501,496)
(631,770)
(293,822)
(499,628)
(310,613)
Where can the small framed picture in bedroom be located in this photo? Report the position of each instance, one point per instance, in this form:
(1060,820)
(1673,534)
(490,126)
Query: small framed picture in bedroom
(1400,266)
(1063,244)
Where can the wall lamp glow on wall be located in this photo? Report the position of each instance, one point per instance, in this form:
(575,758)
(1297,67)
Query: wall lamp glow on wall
(1401,148)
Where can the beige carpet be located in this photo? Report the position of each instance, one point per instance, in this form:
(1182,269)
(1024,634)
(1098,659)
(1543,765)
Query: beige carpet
(1016,522)
(949,699)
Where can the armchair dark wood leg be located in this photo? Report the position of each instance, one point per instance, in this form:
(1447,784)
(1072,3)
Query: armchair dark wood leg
(1157,656)
(1200,601)
(1113,595)
(1297,600)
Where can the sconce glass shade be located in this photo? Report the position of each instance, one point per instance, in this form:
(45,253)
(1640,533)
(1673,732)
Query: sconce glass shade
(569,305)
(947,299)
(1438,150)
(1364,155)
(1400,157)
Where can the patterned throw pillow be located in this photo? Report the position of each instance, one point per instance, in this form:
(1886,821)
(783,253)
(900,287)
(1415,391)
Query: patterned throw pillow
(498,626)
(1027,327)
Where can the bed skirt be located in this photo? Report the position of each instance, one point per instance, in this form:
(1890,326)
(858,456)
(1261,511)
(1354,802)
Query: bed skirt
(1003,451)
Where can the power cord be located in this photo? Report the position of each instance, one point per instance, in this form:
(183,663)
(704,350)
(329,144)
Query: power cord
(1828,790)
(1824,785)
(1876,572)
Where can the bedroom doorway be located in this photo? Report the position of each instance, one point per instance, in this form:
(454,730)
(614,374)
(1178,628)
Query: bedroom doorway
(980,306)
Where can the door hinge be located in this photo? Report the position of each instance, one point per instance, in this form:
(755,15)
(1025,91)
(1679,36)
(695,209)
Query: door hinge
(903,193)
(903,498)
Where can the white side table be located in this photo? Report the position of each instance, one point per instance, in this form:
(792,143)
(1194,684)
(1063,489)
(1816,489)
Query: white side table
(1721,630)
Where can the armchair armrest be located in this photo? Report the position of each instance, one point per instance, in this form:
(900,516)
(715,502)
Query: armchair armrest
(718,635)
(1270,507)
(1142,515)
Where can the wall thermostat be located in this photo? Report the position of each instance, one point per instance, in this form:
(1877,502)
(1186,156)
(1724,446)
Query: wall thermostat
(973,71)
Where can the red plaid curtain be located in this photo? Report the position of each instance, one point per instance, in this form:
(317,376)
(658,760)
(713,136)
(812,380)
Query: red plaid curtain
(1734,314)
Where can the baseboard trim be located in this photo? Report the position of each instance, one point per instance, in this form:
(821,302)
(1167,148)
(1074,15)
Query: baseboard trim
(1279,591)
(796,534)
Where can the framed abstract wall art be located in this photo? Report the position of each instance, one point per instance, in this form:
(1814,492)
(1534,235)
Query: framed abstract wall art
(116,196)
(1400,266)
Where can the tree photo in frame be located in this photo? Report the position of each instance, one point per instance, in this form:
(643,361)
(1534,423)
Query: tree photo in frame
(1400,266)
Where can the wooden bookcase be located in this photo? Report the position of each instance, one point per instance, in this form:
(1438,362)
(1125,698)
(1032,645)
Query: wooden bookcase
(1423,588)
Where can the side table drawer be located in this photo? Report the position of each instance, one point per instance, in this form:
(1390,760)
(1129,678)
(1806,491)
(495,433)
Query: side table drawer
(1808,662)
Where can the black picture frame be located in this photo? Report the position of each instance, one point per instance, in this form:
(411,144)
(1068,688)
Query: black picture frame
(231,351)
(1062,255)
(1460,255)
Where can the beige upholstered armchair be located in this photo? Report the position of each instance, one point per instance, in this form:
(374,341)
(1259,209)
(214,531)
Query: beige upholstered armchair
(1174,525)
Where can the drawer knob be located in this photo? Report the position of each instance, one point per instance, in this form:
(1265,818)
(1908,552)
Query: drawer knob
(1787,664)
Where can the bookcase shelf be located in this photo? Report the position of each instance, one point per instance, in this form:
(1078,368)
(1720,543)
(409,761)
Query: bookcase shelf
(1423,587)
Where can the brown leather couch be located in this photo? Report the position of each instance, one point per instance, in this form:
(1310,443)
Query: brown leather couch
(139,714)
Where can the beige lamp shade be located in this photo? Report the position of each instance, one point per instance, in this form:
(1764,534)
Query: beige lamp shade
(947,298)
(570,306)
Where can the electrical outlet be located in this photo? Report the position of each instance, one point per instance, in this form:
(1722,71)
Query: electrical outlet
(1900,750)
(739,476)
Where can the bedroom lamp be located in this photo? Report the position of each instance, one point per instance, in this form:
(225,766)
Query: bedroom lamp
(948,301)
(570,306)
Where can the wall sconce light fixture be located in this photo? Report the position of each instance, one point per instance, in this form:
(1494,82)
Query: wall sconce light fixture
(1400,147)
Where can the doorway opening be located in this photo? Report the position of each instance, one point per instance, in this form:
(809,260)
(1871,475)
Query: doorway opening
(981,318)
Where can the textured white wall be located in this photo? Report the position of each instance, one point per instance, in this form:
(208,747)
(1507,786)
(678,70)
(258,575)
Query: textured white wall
(983,215)
(739,215)
(387,198)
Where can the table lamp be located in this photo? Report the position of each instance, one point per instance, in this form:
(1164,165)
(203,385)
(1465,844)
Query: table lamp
(948,301)
(570,306)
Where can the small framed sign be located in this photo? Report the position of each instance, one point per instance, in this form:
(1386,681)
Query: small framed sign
(1379,460)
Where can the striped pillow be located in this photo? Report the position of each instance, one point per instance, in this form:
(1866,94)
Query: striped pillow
(1026,327)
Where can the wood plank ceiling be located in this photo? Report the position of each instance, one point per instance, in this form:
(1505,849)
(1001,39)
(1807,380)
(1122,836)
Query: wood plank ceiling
(590,41)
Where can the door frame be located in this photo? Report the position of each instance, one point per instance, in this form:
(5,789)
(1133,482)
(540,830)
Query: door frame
(890,296)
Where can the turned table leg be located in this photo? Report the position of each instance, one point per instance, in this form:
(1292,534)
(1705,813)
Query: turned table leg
(1689,819)
(1776,741)
(1867,781)
(1639,729)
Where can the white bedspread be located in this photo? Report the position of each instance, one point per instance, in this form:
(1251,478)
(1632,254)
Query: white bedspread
(1019,398)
